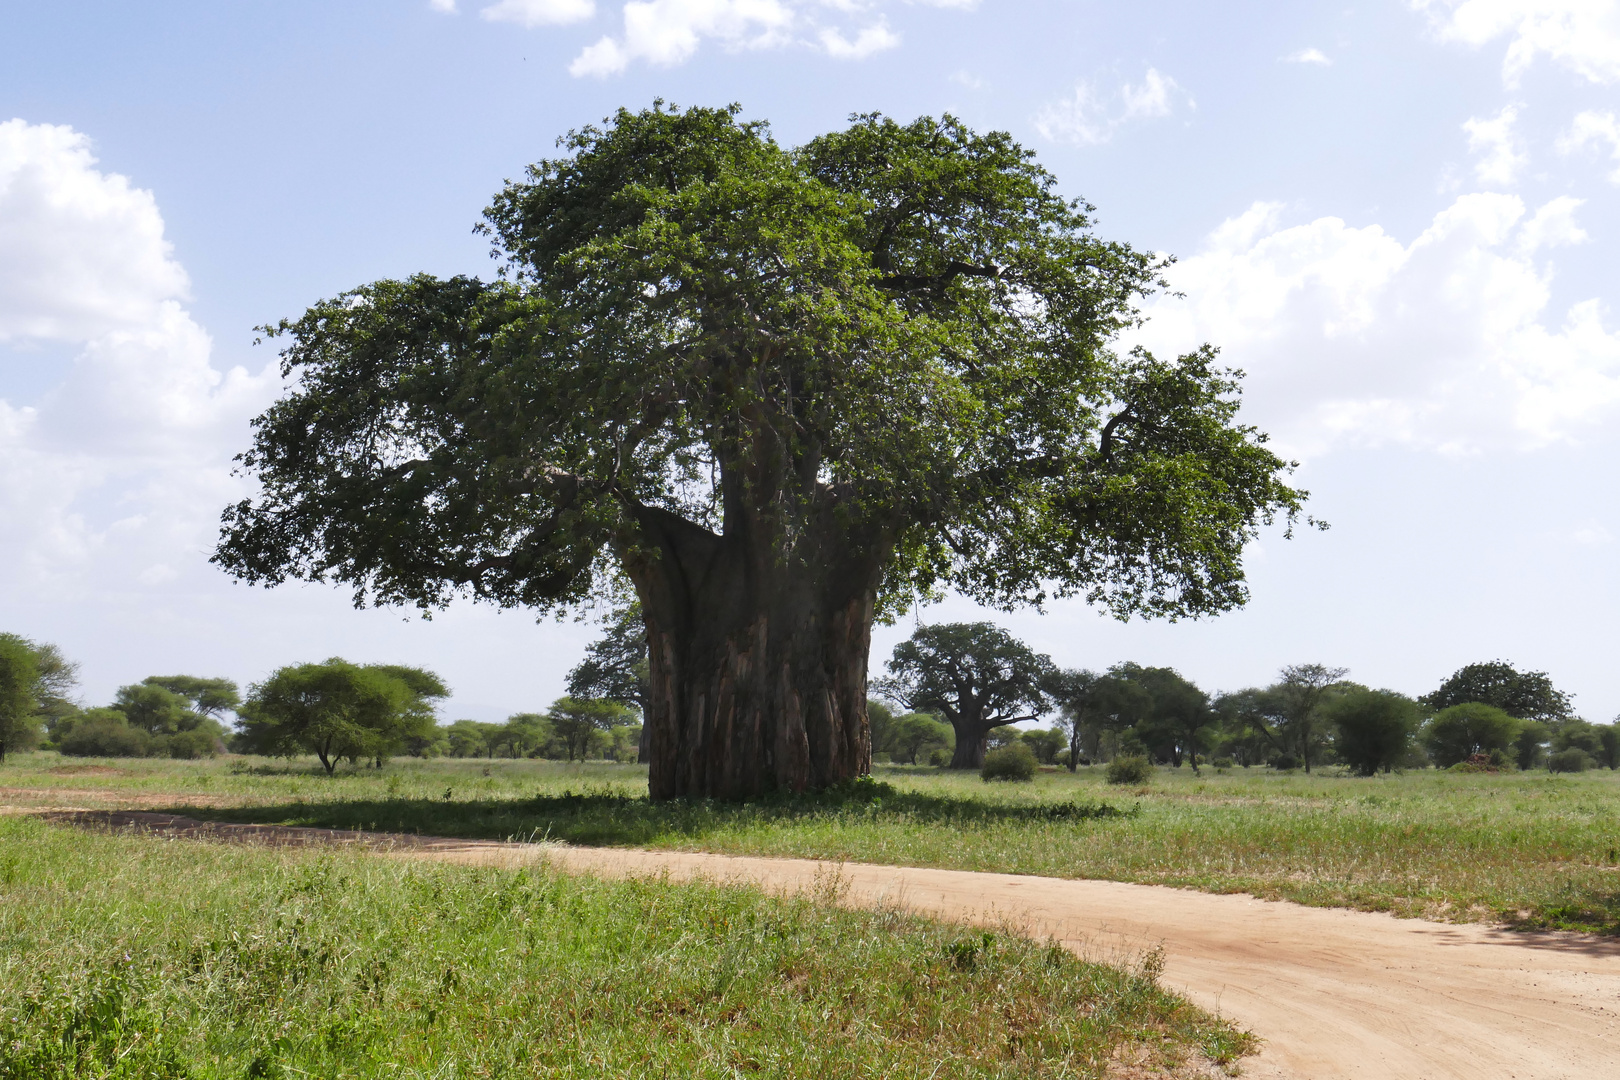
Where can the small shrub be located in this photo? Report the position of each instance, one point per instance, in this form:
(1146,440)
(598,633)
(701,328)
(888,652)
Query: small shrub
(1131,769)
(940,757)
(1015,761)
(193,744)
(1285,762)
(1222,763)
(1572,760)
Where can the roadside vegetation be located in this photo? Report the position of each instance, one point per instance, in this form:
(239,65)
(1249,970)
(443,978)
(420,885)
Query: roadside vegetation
(1531,849)
(277,963)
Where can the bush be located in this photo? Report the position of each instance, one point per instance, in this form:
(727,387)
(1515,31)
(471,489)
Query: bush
(1285,762)
(1457,733)
(1375,728)
(103,733)
(189,745)
(1131,769)
(1046,745)
(1222,763)
(1015,761)
(1572,760)
(940,757)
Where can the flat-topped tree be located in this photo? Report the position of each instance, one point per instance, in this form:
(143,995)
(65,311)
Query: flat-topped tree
(781,390)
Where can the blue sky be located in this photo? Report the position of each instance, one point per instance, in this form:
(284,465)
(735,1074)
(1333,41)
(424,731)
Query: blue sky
(1400,218)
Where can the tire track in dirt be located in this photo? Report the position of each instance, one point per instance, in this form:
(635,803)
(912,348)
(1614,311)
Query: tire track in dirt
(1336,994)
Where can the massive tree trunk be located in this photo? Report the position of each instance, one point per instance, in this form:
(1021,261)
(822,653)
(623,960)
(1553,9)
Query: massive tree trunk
(757,658)
(971,735)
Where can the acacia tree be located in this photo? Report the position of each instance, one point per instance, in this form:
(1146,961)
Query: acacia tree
(19,695)
(55,676)
(976,675)
(579,722)
(1288,712)
(1090,703)
(781,390)
(209,697)
(339,710)
(615,667)
(1169,714)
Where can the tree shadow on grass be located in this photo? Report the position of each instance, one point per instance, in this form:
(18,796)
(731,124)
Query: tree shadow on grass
(613,819)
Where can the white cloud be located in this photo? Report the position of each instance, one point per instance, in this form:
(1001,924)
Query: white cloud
(446,6)
(1501,156)
(536,12)
(1308,56)
(1594,128)
(1580,35)
(1151,99)
(668,32)
(1088,117)
(124,464)
(83,251)
(1592,535)
(871,39)
(1350,335)
(1553,225)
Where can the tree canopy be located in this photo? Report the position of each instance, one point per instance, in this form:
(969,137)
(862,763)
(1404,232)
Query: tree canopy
(208,697)
(781,389)
(1527,695)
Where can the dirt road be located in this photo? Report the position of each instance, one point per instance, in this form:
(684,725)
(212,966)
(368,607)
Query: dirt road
(1335,994)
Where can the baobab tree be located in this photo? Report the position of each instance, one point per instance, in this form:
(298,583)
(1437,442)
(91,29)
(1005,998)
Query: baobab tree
(781,391)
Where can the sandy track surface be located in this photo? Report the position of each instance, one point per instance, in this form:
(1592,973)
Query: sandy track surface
(1335,994)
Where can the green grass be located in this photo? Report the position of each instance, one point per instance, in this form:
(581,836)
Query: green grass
(1528,849)
(128,956)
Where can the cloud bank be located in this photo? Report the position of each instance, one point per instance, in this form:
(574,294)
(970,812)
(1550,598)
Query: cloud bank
(1582,36)
(114,479)
(1446,342)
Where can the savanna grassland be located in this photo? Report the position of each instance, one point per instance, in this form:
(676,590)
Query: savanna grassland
(1529,849)
(133,957)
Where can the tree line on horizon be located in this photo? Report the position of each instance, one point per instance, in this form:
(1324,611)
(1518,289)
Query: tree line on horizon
(953,693)
(981,682)
(334,710)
